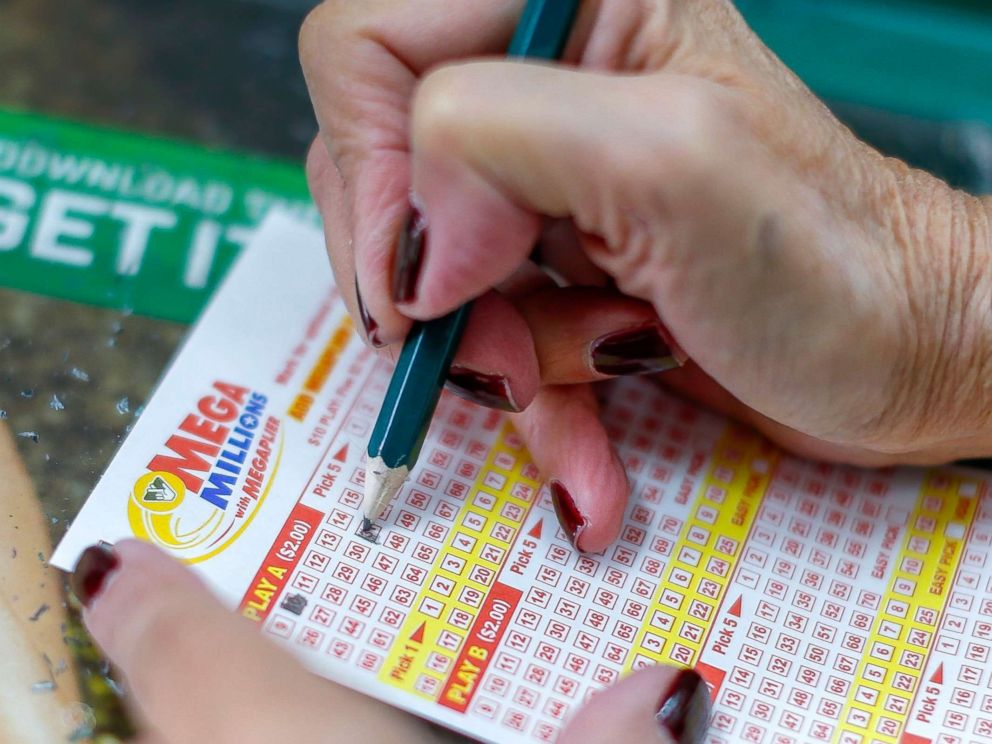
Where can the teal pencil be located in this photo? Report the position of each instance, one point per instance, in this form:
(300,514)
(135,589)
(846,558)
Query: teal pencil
(418,379)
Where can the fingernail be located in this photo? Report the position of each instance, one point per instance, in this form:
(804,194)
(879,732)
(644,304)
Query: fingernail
(492,391)
(569,516)
(368,322)
(633,352)
(409,258)
(685,709)
(92,569)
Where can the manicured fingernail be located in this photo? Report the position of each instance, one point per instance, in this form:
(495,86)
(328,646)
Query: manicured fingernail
(492,391)
(368,322)
(633,352)
(92,569)
(685,709)
(571,519)
(409,258)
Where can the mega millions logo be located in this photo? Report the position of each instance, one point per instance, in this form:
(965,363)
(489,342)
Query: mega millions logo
(211,477)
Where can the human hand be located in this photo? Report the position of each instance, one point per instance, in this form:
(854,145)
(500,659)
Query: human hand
(197,673)
(836,300)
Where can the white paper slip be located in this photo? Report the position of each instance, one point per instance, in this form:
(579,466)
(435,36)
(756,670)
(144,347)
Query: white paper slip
(819,603)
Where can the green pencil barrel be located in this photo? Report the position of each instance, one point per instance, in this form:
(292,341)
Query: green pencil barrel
(543,29)
(423,365)
(415,388)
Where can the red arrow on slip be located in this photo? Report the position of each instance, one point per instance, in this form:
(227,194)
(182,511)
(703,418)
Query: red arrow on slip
(938,676)
(536,530)
(735,608)
(342,455)
(418,634)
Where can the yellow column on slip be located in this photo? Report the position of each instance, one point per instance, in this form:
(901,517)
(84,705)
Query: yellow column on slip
(894,655)
(434,655)
(708,548)
(321,369)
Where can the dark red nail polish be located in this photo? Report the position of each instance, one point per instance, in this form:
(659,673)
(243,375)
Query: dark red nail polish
(368,322)
(94,565)
(684,711)
(571,519)
(633,352)
(491,391)
(409,258)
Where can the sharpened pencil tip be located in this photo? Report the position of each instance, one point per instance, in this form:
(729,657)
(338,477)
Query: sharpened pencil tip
(381,485)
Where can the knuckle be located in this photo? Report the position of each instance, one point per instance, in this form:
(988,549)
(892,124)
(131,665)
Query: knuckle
(329,20)
(701,121)
(317,160)
(440,105)
(687,134)
(313,28)
(701,115)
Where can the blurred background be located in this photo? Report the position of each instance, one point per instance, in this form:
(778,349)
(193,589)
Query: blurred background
(910,76)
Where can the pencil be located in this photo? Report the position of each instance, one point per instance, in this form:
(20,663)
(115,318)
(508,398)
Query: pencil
(418,379)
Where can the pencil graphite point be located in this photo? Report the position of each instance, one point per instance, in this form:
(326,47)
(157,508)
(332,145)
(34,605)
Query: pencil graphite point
(382,483)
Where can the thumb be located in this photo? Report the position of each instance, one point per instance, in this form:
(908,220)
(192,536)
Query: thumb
(497,145)
(200,673)
(656,705)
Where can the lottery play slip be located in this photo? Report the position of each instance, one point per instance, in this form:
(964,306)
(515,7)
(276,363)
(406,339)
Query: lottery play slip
(819,603)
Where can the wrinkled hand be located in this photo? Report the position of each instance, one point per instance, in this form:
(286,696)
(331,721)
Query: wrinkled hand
(197,673)
(690,189)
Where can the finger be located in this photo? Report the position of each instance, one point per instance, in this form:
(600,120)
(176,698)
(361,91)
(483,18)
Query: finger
(200,673)
(343,44)
(589,487)
(495,365)
(657,705)
(496,144)
(584,334)
(361,62)
(555,336)
(327,189)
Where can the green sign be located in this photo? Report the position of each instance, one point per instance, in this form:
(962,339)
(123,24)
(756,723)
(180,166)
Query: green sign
(128,221)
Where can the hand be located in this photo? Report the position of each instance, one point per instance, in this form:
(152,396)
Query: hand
(196,672)
(836,300)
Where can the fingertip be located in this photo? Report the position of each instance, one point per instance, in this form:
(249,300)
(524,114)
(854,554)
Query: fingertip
(587,481)
(476,236)
(131,573)
(584,334)
(496,365)
(370,326)
(471,242)
(379,211)
(590,508)
(663,704)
